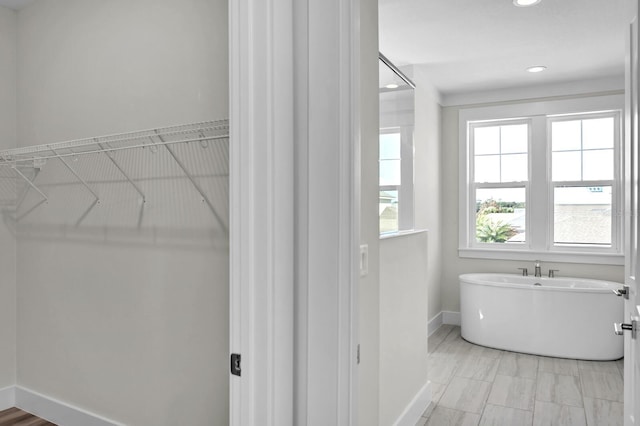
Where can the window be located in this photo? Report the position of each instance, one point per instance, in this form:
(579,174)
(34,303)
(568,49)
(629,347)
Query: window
(500,166)
(396,150)
(583,169)
(390,179)
(396,179)
(545,184)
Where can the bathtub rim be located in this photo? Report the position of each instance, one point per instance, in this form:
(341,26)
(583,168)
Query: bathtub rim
(604,285)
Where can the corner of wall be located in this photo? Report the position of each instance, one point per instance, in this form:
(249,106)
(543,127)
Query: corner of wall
(7,397)
(418,405)
(8,129)
(369,286)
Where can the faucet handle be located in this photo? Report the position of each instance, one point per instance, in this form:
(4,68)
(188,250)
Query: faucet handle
(552,272)
(525,273)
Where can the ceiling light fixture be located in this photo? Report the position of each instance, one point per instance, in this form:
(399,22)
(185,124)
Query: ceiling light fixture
(537,68)
(525,3)
(391,86)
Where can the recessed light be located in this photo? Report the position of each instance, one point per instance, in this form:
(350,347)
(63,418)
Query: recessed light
(525,3)
(537,68)
(391,86)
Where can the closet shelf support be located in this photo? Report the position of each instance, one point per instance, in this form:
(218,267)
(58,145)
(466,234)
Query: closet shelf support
(194,183)
(115,163)
(82,181)
(86,185)
(31,184)
(24,195)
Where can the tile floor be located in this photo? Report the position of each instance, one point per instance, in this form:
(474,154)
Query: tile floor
(473,385)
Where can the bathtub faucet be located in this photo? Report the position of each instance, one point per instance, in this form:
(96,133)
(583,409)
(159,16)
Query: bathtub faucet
(538,270)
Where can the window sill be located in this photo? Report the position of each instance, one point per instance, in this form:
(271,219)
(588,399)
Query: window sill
(389,235)
(562,257)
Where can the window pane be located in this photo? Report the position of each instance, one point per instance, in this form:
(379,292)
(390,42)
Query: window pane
(389,172)
(514,138)
(514,168)
(582,215)
(388,211)
(566,135)
(487,168)
(500,215)
(487,140)
(598,164)
(566,166)
(597,133)
(389,146)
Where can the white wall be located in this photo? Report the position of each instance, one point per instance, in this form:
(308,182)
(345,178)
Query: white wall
(454,265)
(8,22)
(410,266)
(403,323)
(369,287)
(137,333)
(428,182)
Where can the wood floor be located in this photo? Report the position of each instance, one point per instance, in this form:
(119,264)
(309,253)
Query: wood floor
(17,417)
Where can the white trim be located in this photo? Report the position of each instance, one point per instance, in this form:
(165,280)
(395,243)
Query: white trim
(56,411)
(416,407)
(545,107)
(7,397)
(261,211)
(294,146)
(548,256)
(434,324)
(452,318)
(398,234)
(573,88)
(327,240)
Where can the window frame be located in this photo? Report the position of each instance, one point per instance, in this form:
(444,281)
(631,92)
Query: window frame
(616,183)
(405,189)
(539,195)
(474,186)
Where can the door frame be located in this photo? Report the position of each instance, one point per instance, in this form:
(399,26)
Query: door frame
(632,194)
(294,209)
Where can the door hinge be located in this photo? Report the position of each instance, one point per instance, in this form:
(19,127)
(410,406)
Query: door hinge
(235,364)
(358,354)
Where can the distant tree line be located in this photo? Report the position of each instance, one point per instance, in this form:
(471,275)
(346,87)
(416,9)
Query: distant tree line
(493,206)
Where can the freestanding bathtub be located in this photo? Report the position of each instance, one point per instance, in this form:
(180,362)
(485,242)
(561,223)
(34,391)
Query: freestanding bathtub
(558,317)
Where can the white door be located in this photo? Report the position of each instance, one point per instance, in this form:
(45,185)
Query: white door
(632,263)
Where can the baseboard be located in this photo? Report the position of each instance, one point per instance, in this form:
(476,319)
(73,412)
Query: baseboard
(434,323)
(7,397)
(452,318)
(416,407)
(57,412)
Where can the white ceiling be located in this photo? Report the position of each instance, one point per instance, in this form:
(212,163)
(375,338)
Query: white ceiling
(479,45)
(15,4)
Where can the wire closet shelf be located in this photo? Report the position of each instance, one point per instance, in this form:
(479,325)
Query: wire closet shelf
(20,161)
